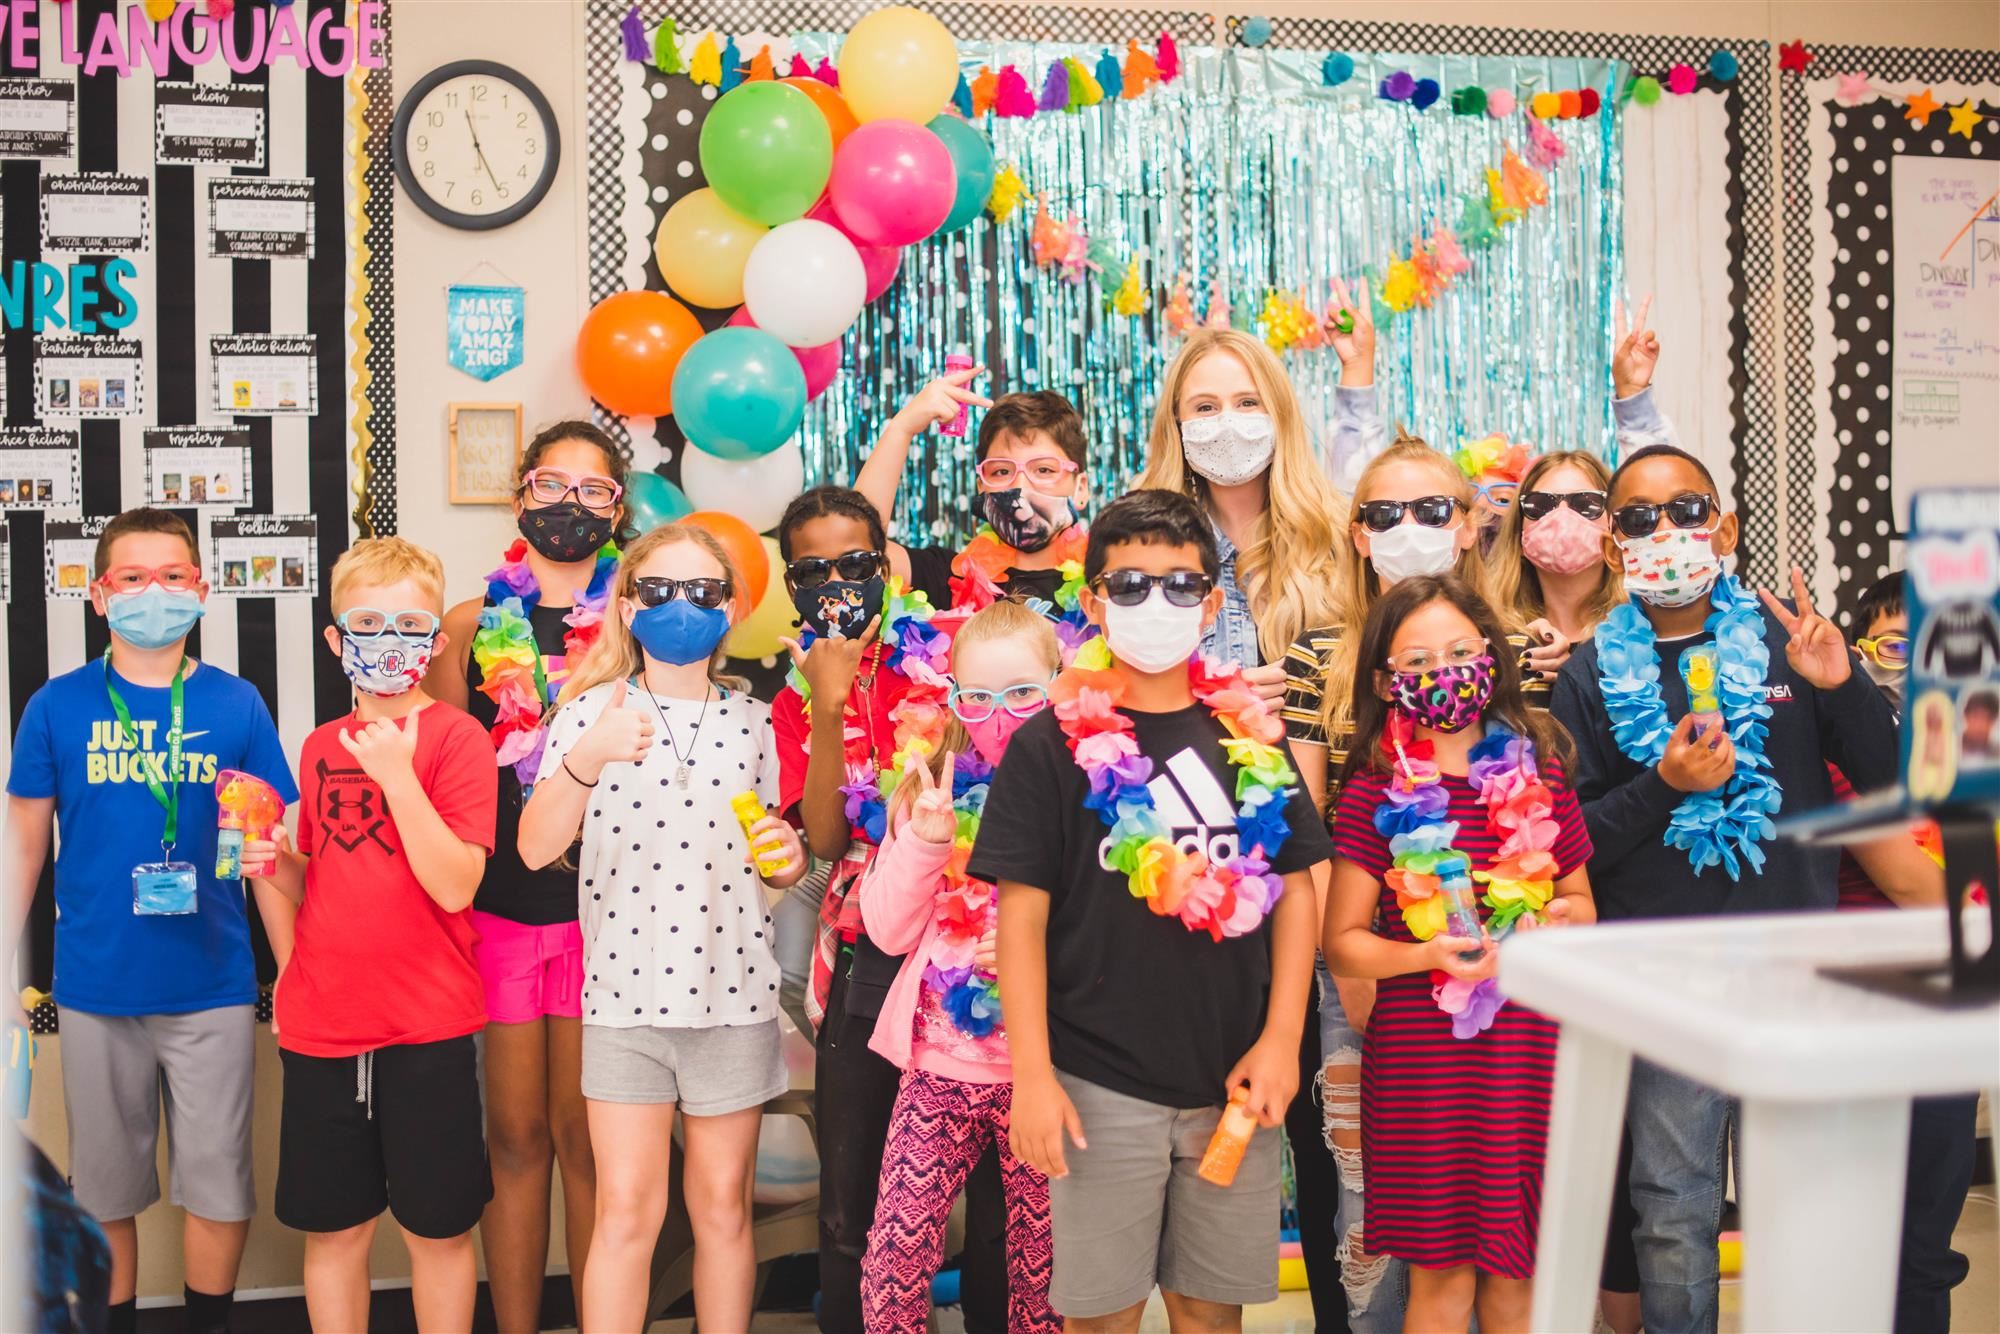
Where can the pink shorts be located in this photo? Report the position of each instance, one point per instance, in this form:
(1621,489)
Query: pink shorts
(529,971)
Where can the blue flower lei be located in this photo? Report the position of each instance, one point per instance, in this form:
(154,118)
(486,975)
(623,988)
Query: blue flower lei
(1711,827)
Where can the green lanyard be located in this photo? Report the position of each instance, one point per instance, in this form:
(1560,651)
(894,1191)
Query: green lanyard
(169,798)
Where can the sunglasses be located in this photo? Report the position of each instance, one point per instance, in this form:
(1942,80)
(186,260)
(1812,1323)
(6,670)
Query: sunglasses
(653,591)
(1129,588)
(1640,518)
(1379,516)
(1023,701)
(1498,494)
(1890,651)
(1417,661)
(551,486)
(370,623)
(178,577)
(1541,504)
(1044,470)
(855,567)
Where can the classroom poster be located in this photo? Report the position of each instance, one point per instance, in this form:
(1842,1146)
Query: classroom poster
(264,555)
(98,375)
(199,467)
(264,375)
(41,468)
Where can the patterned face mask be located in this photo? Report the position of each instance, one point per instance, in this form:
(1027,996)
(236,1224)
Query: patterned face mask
(1445,699)
(1670,569)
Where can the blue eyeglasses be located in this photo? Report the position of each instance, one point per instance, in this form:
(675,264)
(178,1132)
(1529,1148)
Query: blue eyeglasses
(1023,701)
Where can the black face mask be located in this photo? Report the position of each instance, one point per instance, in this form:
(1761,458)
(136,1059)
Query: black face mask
(838,608)
(1025,520)
(566,531)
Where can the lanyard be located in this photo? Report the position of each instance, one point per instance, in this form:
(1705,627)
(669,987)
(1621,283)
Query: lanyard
(169,798)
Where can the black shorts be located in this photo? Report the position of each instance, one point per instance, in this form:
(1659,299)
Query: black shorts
(399,1128)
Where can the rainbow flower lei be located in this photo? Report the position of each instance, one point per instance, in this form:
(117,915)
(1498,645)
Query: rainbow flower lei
(1433,880)
(977,572)
(967,910)
(1730,822)
(510,665)
(1225,899)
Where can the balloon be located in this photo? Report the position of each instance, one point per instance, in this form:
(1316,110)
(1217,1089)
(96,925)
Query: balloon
(749,563)
(702,245)
(651,500)
(754,490)
(628,348)
(766,149)
(892,183)
(972,160)
(756,635)
(898,63)
(820,363)
(880,263)
(839,119)
(804,283)
(739,393)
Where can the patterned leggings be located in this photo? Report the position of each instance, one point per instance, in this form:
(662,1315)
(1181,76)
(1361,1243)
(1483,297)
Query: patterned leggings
(936,1135)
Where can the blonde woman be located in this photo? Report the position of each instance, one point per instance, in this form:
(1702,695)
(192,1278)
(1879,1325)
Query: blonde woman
(1548,573)
(680,998)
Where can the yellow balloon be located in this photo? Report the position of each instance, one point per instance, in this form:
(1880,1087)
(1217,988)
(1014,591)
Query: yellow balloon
(898,63)
(756,636)
(702,246)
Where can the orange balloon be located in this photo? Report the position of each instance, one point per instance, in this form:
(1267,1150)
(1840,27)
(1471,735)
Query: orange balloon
(752,564)
(628,347)
(830,103)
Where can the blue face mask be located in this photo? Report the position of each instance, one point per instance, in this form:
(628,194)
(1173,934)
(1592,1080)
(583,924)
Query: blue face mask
(153,617)
(679,632)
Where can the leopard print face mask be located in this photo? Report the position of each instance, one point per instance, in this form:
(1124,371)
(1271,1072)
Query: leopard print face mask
(1445,699)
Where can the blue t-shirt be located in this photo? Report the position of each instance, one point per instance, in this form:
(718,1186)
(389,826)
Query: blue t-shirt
(110,960)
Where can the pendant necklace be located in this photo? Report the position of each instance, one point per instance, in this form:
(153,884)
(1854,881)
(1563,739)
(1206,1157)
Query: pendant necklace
(681,762)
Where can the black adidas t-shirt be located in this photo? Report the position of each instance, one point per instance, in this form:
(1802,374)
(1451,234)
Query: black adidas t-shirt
(1137,1002)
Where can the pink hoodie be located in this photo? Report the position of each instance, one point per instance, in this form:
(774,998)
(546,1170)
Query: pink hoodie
(898,908)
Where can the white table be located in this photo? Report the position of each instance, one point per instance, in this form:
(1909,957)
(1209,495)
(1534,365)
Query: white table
(1825,1072)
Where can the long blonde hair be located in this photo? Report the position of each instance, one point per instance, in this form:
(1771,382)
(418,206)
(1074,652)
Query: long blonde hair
(1291,566)
(616,656)
(1004,619)
(1515,585)
(1361,587)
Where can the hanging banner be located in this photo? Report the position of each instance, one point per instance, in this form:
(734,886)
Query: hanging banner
(259,217)
(484,328)
(37,118)
(40,468)
(203,124)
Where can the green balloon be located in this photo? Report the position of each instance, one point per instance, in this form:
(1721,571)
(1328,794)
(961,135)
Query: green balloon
(651,500)
(766,149)
(972,159)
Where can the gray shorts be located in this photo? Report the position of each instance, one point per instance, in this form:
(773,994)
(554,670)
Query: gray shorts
(1132,1214)
(118,1069)
(708,1071)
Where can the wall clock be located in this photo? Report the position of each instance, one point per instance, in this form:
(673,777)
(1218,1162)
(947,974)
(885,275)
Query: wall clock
(477,144)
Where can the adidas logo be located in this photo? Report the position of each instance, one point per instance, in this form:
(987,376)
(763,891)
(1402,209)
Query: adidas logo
(1197,812)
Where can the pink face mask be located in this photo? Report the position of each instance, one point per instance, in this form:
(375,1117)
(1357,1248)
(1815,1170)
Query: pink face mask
(1563,542)
(991,735)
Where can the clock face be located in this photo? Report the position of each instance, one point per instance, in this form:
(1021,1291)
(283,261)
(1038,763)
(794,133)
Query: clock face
(476,144)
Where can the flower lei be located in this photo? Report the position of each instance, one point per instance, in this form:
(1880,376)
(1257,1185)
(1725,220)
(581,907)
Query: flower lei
(1433,880)
(978,572)
(966,911)
(1730,822)
(1225,899)
(510,665)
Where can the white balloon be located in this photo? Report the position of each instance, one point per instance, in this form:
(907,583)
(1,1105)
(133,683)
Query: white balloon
(804,283)
(754,490)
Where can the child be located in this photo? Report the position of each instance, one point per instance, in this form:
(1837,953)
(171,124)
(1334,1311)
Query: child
(160,990)
(941,1023)
(510,652)
(378,996)
(1447,758)
(680,1001)
(1156,939)
(1546,571)
(1664,805)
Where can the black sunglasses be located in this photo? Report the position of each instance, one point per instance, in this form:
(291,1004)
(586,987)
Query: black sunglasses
(1128,588)
(1541,504)
(1379,516)
(1641,517)
(708,594)
(856,567)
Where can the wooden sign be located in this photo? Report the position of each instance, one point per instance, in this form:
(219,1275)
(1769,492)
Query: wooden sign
(485,452)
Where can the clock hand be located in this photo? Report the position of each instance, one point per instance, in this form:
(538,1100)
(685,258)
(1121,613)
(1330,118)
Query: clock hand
(480,152)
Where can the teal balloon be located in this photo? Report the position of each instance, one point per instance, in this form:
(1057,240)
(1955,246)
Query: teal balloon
(739,392)
(651,500)
(972,159)
(766,149)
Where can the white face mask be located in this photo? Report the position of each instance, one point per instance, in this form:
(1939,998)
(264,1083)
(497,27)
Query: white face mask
(1230,448)
(1671,568)
(1411,549)
(1155,636)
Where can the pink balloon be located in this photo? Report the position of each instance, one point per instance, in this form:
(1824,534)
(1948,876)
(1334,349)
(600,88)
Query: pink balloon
(893,183)
(820,363)
(881,263)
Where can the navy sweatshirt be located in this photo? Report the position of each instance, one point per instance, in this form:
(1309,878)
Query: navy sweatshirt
(1634,873)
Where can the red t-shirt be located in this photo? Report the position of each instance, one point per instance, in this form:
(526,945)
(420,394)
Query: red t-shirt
(376,962)
(870,729)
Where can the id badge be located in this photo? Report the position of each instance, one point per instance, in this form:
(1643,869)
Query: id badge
(163,889)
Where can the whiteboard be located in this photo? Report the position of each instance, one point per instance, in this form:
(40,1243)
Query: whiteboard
(1946,370)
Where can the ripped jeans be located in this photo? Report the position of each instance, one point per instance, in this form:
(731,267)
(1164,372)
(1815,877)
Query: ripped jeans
(1377,1286)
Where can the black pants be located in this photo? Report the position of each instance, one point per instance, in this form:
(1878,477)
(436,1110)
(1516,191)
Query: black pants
(1318,1185)
(1943,1144)
(855,1093)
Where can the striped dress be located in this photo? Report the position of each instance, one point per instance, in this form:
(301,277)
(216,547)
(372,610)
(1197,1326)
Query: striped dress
(1453,1131)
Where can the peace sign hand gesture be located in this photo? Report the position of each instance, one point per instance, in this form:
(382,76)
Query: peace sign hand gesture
(1637,349)
(931,817)
(1816,650)
(1355,348)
